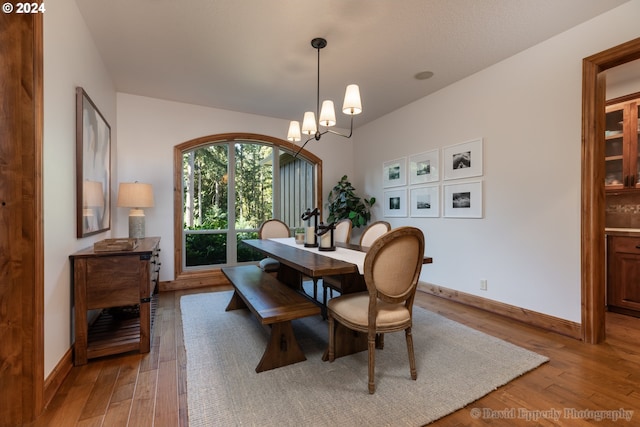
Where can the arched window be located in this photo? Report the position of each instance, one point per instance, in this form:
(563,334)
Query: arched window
(226,185)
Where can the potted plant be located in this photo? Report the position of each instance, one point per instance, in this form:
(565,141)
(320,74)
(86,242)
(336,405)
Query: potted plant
(344,203)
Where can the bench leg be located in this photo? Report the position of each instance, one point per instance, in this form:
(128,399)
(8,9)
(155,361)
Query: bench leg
(282,349)
(236,303)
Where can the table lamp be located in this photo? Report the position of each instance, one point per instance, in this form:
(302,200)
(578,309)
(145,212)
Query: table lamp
(135,195)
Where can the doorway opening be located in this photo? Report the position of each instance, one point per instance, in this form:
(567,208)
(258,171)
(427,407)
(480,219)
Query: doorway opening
(592,177)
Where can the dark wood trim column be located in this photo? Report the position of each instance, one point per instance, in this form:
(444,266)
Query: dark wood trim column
(21,228)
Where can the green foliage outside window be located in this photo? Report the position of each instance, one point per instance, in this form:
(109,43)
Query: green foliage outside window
(206,195)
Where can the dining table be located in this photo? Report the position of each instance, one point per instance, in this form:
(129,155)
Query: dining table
(298,262)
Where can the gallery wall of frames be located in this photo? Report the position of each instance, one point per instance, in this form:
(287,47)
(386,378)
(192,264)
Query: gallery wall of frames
(413,185)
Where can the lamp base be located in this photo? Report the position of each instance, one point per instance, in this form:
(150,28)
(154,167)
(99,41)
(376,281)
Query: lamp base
(136,224)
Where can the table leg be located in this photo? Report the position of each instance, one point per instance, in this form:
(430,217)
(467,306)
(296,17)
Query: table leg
(290,277)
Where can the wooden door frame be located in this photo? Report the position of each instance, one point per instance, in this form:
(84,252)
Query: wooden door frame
(593,170)
(21,218)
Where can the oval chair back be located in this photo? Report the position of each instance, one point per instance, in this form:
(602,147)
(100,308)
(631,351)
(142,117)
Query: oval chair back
(270,229)
(373,231)
(342,233)
(273,228)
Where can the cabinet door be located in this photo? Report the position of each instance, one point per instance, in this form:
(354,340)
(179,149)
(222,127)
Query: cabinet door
(627,291)
(614,148)
(623,287)
(622,163)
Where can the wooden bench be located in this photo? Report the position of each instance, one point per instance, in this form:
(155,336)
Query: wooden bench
(274,304)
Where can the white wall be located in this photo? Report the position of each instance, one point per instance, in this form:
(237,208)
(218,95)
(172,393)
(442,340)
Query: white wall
(148,129)
(528,111)
(70,60)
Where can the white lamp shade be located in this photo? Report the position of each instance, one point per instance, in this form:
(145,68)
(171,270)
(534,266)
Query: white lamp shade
(352,103)
(327,114)
(135,195)
(92,194)
(309,123)
(294,131)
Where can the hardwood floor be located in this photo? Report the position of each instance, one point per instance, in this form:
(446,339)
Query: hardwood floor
(579,380)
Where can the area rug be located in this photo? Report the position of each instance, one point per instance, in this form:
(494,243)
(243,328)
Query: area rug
(456,366)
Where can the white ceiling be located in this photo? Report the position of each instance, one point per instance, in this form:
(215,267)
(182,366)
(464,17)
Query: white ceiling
(255,56)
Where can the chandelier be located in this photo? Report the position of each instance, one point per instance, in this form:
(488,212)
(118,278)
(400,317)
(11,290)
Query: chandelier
(327,115)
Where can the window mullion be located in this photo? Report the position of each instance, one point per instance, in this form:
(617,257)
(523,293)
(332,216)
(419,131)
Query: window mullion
(231,205)
(277,212)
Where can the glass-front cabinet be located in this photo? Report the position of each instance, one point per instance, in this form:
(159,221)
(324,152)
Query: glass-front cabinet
(622,129)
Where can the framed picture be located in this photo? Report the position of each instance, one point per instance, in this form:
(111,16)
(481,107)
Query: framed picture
(394,173)
(424,167)
(463,160)
(463,200)
(93,167)
(425,201)
(395,202)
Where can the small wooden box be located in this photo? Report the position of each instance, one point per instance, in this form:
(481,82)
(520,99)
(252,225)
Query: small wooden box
(114,245)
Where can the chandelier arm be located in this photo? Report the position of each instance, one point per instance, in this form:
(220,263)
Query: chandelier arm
(340,134)
(317,137)
(303,145)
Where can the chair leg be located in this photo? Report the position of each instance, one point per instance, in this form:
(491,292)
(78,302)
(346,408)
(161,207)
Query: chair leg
(372,363)
(332,339)
(412,358)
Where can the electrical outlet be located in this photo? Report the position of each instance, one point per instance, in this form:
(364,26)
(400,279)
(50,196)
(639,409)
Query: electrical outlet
(483,285)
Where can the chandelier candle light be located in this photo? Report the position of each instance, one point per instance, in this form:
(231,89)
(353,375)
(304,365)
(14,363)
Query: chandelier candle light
(352,105)
(135,195)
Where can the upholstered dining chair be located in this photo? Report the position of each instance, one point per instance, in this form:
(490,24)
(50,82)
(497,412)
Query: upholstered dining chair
(373,231)
(272,228)
(369,235)
(342,232)
(391,271)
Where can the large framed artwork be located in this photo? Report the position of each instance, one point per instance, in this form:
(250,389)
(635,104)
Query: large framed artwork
(425,201)
(394,173)
(463,200)
(463,160)
(395,203)
(93,167)
(424,167)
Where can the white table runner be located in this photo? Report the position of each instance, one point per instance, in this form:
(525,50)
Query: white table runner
(341,254)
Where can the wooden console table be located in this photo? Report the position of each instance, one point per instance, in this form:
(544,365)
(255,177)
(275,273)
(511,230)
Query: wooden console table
(114,279)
